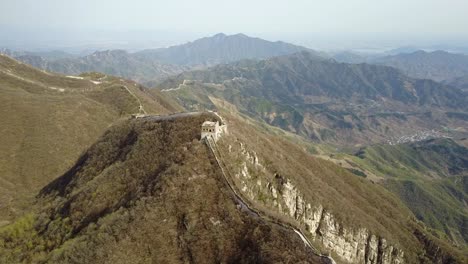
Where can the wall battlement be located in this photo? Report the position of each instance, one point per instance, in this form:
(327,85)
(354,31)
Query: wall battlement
(212,129)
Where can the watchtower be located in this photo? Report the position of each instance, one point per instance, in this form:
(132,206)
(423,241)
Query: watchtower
(210,129)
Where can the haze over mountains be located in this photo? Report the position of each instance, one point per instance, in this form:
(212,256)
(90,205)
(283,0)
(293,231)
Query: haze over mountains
(221,48)
(324,100)
(437,65)
(149,66)
(153,65)
(365,161)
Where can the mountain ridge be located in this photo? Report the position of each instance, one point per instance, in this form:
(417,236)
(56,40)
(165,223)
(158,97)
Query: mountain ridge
(149,183)
(321,99)
(437,65)
(48,119)
(151,66)
(222,48)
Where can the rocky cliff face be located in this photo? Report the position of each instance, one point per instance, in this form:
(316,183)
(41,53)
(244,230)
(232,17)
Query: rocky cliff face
(354,246)
(283,196)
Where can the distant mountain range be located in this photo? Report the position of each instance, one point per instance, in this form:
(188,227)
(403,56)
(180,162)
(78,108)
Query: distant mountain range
(150,190)
(153,65)
(347,106)
(114,62)
(221,48)
(437,65)
(150,66)
(322,99)
(48,55)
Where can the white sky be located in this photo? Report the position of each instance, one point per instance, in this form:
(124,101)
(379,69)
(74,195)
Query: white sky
(435,19)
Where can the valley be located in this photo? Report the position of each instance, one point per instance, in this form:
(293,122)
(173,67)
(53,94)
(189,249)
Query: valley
(311,160)
(341,125)
(301,94)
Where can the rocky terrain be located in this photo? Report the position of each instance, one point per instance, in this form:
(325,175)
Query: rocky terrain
(276,184)
(365,105)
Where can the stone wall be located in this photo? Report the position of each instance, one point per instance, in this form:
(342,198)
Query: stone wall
(350,245)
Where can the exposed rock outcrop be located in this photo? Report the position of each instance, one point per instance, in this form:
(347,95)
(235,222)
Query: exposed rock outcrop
(350,245)
(355,246)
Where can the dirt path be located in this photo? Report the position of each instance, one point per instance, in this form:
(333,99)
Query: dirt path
(140,105)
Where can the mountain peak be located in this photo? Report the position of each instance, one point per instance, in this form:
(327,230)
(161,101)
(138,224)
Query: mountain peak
(420,52)
(222,48)
(242,35)
(219,35)
(107,52)
(441,52)
(222,36)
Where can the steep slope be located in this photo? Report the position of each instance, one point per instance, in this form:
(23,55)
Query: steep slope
(150,191)
(321,198)
(429,176)
(48,120)
(324,100)
(437,65)
(221,48)
(147,191)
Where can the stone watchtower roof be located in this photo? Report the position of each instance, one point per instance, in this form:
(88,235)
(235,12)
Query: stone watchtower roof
(209,123)
(212,130)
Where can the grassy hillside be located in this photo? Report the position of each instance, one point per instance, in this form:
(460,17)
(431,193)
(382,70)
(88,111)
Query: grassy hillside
(48,120)
(430,178)
(147,191)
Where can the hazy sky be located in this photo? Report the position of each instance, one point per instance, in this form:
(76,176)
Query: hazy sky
(442,20)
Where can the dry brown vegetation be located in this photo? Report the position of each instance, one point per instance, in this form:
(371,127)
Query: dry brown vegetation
(355,201)
(147,192)
(48,120)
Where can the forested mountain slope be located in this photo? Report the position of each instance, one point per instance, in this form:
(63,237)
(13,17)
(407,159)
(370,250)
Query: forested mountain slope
(324,100)
(49,119)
